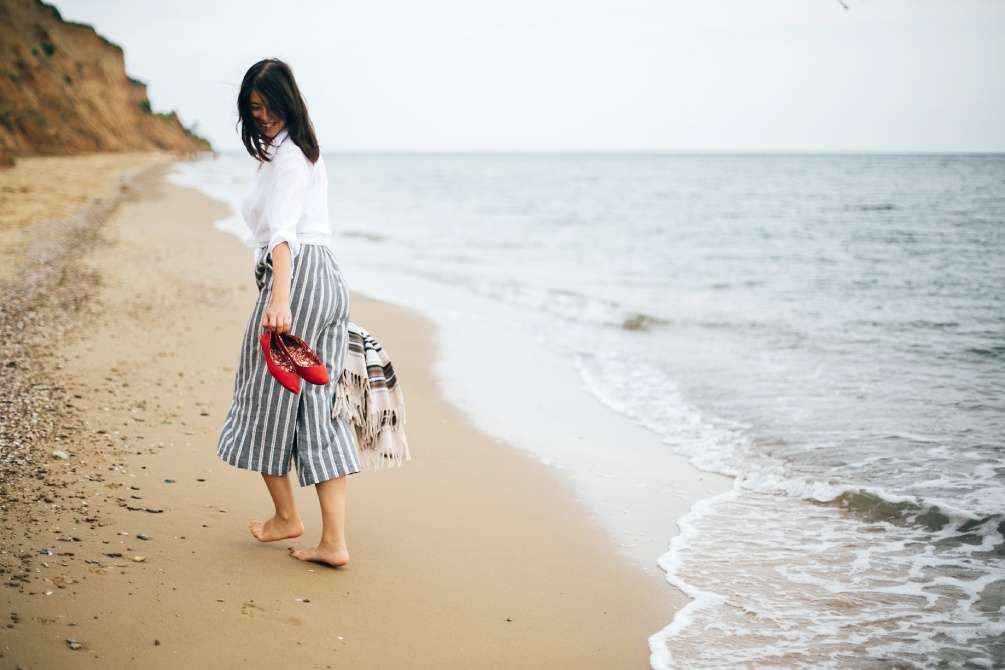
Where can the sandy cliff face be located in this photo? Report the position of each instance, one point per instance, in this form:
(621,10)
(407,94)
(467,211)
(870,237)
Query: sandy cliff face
(64,90)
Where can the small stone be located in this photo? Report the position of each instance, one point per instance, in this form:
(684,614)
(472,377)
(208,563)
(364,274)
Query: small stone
(60,455)
(169,481)
(157,643)
(154,510)
(139,559)
(141,536)
(74,644)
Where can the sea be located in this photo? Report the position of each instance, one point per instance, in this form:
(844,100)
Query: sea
(827,331)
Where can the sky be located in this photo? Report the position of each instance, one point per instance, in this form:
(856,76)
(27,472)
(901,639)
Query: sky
(584,75)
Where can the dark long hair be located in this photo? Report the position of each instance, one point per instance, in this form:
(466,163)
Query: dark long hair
(273,79)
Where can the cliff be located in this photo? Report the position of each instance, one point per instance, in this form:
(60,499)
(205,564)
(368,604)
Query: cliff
(64,90)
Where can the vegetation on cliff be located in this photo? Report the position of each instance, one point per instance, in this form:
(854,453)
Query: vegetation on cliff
(64,90)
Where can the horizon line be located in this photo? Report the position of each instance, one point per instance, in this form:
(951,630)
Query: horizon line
(645,152)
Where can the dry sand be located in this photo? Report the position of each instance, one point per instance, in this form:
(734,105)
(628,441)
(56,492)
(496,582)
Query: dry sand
(43,188)
(472,555)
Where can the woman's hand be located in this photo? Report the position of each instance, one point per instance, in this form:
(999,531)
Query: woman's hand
(278,317)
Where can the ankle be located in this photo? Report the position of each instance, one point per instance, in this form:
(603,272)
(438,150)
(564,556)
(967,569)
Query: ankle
(335,544)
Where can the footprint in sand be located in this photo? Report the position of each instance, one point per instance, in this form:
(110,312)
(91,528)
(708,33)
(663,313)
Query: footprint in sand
(256,612)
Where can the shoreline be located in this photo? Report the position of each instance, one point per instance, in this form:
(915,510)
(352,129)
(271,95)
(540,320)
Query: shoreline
(629,478)
(473,554)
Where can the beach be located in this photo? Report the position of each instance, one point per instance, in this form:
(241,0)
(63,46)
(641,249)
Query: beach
(125,539)
(693,381)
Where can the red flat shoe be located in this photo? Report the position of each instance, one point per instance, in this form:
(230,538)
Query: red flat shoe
(307,363)
(279,363)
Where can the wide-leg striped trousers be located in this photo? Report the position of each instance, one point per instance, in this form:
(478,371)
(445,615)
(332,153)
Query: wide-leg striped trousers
(269,429)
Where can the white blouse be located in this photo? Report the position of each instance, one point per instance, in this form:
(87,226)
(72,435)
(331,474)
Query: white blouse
(287,200)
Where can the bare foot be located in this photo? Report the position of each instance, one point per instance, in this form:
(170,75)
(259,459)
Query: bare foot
(327,554)
(276,529)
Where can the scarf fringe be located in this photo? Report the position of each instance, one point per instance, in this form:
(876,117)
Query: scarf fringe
(368,394)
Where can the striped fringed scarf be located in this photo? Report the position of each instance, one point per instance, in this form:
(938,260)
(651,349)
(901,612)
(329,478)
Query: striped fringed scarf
(370,397)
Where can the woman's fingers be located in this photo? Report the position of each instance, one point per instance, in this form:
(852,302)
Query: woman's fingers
(277,320)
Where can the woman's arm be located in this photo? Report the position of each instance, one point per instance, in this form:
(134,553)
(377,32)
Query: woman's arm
(278,317)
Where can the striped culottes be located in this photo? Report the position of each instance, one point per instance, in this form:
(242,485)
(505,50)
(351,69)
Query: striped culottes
(268,428)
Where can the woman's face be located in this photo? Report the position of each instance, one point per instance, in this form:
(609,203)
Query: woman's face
(268,123)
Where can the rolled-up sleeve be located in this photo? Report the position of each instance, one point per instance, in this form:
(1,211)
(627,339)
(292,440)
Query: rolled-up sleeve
(284,203)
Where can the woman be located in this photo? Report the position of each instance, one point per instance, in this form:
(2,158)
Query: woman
(269,429)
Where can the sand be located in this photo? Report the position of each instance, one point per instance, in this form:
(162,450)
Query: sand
(136,545)
(43,188)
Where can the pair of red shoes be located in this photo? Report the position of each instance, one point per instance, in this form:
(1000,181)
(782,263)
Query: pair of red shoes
(289,358)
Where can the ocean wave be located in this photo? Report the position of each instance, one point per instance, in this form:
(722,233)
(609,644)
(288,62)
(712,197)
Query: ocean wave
(804,584)
(878,207)
(556,302)
(561,303)
(568,305)
(359,234)
(987,352)
(639,321)
(672,563)
(784,561)
(873,505)
(709,444)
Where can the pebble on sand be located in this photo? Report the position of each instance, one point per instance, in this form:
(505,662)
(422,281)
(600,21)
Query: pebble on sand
(61,455)
(139,559)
